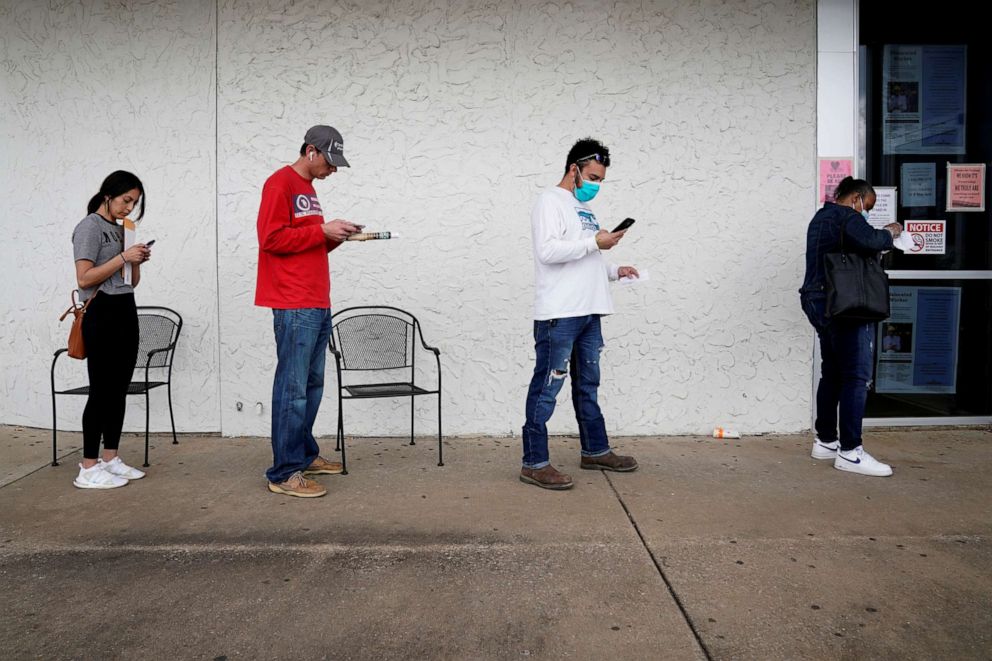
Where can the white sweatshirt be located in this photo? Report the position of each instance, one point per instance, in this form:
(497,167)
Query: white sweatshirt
(570,273)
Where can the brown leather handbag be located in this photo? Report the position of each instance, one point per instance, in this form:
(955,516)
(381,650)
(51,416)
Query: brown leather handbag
(77,348)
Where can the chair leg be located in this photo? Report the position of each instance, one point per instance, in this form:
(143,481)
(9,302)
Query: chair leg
(340,445)
(412,407)
(440,449)
(145,465)
(55,452)
(175,441)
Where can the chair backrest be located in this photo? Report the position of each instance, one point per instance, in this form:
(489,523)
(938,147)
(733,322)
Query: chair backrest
(158,329)
(374,338)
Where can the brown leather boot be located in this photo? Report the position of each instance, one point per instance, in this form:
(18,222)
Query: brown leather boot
(609,462)
(546,478)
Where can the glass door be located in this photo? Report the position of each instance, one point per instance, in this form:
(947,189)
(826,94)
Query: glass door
(926,125)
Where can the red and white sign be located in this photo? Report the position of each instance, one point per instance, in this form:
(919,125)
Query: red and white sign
(929,236)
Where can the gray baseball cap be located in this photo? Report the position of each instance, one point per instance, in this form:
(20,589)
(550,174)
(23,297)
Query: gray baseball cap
(329,142)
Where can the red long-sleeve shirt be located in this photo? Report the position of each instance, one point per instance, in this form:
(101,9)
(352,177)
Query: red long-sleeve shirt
(293,269)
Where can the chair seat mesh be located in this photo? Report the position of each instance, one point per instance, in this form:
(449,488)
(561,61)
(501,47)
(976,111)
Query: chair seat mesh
(135,388)
(385,390)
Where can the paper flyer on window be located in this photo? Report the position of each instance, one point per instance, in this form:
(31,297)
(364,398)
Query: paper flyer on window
(886,203)
(965,187)
(129,240)
(918,343)
(832,171)
(923,99)
(918,183)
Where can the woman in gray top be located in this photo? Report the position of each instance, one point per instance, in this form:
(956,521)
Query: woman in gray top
(110,325)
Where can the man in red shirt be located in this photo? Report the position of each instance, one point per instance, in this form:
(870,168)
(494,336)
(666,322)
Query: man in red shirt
(294,280)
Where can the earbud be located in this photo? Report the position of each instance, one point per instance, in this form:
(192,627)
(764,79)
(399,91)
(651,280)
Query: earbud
(311,156)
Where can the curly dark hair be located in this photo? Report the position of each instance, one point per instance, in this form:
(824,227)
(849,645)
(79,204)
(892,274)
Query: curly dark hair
(586,150)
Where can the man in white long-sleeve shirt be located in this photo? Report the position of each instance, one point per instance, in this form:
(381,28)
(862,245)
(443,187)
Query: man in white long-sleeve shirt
(572,294)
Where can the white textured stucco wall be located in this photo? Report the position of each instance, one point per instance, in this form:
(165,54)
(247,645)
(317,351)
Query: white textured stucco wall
(454,118)
(87,88)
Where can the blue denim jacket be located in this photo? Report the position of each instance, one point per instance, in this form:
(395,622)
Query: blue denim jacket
(823,236)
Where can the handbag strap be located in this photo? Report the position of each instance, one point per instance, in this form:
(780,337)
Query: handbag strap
(75,308)
(843,222)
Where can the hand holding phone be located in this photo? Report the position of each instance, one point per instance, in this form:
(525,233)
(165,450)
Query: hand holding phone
(627,222)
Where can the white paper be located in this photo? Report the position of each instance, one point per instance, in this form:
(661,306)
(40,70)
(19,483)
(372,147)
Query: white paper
(630,280)
(129,240)
(884,211)
(903,242)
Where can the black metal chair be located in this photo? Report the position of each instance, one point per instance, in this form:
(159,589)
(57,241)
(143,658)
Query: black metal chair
(159,330)
(374,338)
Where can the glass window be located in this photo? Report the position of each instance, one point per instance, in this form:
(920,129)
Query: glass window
(926,101)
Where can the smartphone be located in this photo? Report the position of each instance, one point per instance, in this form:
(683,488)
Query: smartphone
(149,244)
(627,222)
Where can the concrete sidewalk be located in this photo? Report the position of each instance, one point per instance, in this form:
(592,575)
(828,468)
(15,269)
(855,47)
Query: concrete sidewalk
(741,549)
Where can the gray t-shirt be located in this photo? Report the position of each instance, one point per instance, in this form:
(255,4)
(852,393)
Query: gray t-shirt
(100,241)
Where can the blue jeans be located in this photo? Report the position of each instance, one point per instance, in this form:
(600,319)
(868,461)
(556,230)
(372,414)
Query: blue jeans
(847,352)
(565,346)
(301,349)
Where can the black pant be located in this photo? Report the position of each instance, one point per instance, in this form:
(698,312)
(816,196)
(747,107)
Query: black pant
(110,331)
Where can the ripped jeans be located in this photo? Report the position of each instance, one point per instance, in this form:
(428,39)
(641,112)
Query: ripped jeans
(568,346)
(847,352)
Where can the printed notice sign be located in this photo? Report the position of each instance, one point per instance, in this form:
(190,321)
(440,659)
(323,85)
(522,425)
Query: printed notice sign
(918,344)
(929,236)
(965,187)
(924,99)
(884,211)
(919,184)
(832,171)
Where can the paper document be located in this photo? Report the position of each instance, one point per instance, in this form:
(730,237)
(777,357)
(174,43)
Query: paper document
(129,240)
(903,242)
(630,280)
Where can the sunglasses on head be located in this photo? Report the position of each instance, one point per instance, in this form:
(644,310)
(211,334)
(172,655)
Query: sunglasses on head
(602,160)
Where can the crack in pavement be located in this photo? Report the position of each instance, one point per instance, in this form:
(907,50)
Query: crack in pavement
(661,572)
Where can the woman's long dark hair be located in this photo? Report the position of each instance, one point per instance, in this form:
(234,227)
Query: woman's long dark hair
(117,183)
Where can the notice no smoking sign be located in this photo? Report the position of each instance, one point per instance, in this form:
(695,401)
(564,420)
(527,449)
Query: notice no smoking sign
(929,236)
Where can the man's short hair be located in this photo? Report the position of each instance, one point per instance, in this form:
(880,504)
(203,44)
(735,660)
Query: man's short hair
(586,150)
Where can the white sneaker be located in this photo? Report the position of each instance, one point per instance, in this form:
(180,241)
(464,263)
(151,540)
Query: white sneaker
(95,477)
(859,461)
(116,466)
(823,450)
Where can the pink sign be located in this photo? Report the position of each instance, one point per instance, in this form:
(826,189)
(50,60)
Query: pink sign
(832,172)
(965,187)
